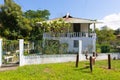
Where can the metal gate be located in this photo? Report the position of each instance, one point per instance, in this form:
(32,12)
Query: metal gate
(10,49)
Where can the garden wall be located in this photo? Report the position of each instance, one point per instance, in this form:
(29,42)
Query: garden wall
(43,59)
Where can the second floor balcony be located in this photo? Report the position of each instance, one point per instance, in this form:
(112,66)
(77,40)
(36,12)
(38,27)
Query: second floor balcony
(69,35)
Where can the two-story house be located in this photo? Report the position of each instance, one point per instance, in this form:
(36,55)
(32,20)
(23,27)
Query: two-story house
(79,30)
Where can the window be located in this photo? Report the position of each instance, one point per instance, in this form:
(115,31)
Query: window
(76,43)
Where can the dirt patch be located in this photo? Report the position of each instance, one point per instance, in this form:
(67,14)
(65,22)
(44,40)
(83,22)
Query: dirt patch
(47,70)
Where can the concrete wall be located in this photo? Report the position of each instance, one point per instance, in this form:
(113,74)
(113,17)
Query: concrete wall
(87,43)
(84,27)
(43,59)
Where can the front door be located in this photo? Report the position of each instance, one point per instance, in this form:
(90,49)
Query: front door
(76,27)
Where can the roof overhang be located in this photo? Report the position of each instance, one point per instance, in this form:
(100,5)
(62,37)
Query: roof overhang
(75,20)
(69,19)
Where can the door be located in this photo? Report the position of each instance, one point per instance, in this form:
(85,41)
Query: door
(76,27)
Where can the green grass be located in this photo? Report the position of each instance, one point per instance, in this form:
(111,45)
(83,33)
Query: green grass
(65,71)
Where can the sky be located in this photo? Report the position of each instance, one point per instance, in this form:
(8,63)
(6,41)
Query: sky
(107,11)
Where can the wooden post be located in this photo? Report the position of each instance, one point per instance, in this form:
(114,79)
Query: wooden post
(91,64)
(109,61)
(93,58)
(77,60)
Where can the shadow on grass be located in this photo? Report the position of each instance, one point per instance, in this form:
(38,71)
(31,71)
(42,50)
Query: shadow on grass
(85,69)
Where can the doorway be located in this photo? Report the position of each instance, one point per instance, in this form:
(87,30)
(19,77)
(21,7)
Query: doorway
(76,27)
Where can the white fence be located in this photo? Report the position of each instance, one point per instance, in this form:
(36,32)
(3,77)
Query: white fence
(42,59)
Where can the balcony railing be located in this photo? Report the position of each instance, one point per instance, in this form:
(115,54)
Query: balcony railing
(74,34)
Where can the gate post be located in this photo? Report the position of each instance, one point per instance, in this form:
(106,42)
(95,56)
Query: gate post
(0,52)
(80,50)
(80,47)
(21,49)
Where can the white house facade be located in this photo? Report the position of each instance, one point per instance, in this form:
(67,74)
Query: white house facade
(79,30)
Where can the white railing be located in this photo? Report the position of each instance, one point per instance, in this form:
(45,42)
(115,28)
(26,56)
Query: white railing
(74,34)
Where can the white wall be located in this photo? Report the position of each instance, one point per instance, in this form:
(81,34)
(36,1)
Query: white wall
(43,59)
(0,52)
(84,27)
(87,43)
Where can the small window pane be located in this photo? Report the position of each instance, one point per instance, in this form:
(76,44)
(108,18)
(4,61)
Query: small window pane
(76,43)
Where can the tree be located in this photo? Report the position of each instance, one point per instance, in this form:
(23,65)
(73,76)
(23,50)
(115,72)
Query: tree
(105,39)
(117,32)
(41,14)
(36,16)
(57,26)
(105,36)
(14,24)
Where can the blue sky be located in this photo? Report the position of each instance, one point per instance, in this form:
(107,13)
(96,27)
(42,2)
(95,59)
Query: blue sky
(93,9)
(90,9)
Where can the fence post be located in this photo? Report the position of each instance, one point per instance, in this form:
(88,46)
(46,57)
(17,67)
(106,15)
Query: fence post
(77,60)
(109,61)
(80,47)
(0,52)
(91,68)
(21,49)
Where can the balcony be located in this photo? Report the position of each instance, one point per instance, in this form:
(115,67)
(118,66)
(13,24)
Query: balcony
(69,35)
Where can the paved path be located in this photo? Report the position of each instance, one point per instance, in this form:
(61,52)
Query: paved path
(8,67)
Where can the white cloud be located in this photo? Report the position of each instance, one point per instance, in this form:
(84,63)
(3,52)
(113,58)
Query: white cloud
(112,21)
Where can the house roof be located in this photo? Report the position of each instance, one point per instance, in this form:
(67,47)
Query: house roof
(69,19)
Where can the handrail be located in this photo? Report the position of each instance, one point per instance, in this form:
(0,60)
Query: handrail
(74,34)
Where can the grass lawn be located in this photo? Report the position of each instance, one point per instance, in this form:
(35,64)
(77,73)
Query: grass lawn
(65,71)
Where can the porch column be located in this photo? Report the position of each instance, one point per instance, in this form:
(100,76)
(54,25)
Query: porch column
(94,39)
(89,30)
(94,27)
(21,51)
(94,44)
(0,52)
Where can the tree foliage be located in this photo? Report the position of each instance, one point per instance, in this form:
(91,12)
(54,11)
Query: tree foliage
(105,36)
(42,14)
(105,39)
(57,26)
(36,16)
(14,24)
